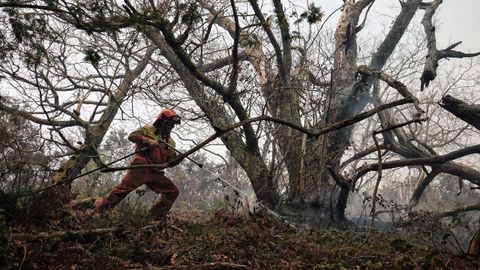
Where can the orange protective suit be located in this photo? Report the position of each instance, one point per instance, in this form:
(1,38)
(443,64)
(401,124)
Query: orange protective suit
(154,179)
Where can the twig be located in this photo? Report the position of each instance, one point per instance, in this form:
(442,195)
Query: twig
(458,211)
(24,256)
(71,235)
(375,191)
(459,246)
(401,125)
(431,160)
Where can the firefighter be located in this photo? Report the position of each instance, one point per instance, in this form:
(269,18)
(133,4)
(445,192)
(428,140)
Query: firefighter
(153,138)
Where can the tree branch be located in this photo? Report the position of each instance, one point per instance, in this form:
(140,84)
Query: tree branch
(28,6)
(285,33)
(420,187)
(399,86)
(394,35)
(359,155)
(456,212)
(220,63)
(469,113)
(433,160)
(222,130)
(278,52)
(208,266)
(234,75)
(29,116)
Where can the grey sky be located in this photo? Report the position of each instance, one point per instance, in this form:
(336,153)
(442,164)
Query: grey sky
(458,20)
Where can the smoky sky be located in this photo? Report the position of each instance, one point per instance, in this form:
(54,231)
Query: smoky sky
(456,20)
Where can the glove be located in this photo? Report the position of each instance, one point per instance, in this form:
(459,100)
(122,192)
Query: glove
(152,143)
(171,154)
(175,163)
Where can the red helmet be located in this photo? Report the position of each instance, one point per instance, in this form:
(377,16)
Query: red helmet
(169,115)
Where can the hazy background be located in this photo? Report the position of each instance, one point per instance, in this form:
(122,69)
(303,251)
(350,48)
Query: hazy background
(457,20)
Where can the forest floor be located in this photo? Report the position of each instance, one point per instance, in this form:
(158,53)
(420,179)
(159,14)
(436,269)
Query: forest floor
(222,240)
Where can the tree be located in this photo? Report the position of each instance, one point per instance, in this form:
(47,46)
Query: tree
(69,95)
(237,61)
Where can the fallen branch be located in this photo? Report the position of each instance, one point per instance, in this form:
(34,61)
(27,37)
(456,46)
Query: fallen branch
(82,234)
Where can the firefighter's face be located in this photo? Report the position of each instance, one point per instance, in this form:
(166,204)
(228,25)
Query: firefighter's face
(165,125)
(168,125)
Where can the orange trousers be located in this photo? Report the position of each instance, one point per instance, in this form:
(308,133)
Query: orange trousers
(153,179)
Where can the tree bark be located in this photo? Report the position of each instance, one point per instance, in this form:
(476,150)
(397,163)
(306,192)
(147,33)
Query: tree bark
(347,98)
(469,113)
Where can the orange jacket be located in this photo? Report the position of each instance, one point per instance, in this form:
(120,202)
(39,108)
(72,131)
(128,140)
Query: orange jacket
(153,155)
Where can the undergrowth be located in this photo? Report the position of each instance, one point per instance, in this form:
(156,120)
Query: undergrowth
(256,241)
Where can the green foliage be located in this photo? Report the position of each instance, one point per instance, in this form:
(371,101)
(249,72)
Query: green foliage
(92,56)
(7,45)
(190,13)
(27,27)
(23,163)
(194,229)
(98,9)
(115,146)
(313,14)
(29,30)
(52,3)
(222,203)
(401,245)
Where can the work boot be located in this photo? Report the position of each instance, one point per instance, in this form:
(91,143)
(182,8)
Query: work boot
(160,209)
(106,203)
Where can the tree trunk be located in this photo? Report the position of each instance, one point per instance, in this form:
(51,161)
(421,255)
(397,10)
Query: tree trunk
(345,101)
(247,156)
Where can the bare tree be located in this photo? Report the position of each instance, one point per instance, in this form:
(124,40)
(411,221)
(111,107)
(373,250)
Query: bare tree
(72,82)
(242,65)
